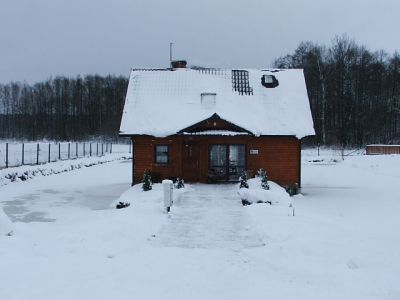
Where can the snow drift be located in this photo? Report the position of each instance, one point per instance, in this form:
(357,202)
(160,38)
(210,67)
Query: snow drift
(6,227)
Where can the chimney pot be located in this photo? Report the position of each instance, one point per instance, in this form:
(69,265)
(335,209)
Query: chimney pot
(179,64)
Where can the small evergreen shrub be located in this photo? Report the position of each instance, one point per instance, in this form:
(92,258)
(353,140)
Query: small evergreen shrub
(122,205)
(243,181)
(147,183)
(179,183)
(264,179)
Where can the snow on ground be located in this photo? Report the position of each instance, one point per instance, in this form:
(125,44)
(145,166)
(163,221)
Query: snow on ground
(342,243)
(27,172)
(6,227)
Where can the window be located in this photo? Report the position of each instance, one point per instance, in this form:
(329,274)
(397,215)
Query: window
(269,81)
(161,154)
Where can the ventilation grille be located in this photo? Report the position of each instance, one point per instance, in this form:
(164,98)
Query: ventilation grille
(240,82)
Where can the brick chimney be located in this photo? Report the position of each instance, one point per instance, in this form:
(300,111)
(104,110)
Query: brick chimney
(178,64)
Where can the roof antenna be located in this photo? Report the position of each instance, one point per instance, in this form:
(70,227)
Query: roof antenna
(170,54)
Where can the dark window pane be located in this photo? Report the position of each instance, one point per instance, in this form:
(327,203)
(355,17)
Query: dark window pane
(161,154)
(236,161)
(218,155)
(237,155)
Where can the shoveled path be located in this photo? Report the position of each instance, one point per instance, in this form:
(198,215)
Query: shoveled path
(209,216)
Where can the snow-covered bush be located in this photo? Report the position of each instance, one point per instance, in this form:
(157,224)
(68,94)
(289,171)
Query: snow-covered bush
(179,183)
(255,194)
(243,181)
(264,179)
(147,183)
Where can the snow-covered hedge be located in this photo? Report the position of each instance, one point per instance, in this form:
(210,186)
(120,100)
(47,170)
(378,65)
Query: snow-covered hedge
(28,172)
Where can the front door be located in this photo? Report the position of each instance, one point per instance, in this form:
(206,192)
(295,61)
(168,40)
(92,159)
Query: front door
(227,162)
(190,162)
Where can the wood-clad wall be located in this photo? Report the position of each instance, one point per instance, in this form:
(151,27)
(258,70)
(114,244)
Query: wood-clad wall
(279,155)
(383,149)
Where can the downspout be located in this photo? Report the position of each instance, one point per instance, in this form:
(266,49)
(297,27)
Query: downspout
(299,166)
(133,161)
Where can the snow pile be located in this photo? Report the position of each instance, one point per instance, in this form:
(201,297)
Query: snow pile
(24,173)
(6,227)
(151,200)
(256,194)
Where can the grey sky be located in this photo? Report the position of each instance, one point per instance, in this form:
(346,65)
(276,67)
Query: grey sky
(43,38)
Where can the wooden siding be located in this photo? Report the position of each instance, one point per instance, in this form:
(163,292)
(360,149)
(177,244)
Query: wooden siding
(383,149)
(280,156)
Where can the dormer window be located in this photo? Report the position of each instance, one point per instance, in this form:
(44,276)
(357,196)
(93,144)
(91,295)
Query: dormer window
(269,81)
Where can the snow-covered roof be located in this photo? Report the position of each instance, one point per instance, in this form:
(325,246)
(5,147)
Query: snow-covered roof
(163,102)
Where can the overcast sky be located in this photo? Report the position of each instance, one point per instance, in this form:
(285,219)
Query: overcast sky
(43,38)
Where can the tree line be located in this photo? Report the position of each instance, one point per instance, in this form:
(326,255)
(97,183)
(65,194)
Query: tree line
(354,97)
(63,108)
(354,93)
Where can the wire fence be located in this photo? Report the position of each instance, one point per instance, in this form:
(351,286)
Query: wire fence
(19,154)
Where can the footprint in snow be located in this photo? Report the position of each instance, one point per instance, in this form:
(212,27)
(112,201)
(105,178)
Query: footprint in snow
(352,265)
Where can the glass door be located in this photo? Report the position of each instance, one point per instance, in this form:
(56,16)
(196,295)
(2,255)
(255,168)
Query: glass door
(236,161)
(227,162)
(218,163)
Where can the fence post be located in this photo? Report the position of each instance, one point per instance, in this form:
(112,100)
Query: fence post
(97,149)
(76,150)
(90,149)
(102,149)
(69,150)
(130,147)
(111,148)
(84,150)
(23,152)
(49,151)
(59,151)
(6,155)
(37,154)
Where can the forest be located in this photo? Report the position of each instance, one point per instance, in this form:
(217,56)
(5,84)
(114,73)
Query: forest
(354,93)
(63,109)
(354,97)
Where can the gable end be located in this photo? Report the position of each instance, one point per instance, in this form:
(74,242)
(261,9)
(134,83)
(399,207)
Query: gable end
(215,122)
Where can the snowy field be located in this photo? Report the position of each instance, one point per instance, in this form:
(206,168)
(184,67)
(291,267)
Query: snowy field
(68,242)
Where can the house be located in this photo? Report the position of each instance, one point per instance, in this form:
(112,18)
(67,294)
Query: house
(210,125)
(382,149)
